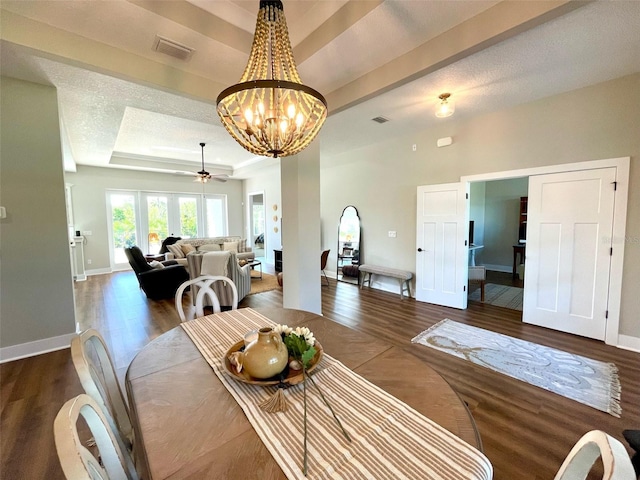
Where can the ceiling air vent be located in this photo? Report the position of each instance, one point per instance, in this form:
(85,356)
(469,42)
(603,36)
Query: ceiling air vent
(171,48)
(380,120)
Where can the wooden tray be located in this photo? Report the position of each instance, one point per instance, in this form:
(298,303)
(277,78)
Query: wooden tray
(288,376)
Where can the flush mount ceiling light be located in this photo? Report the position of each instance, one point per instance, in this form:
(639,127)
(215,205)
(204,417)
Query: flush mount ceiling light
(270,112)
(446,107)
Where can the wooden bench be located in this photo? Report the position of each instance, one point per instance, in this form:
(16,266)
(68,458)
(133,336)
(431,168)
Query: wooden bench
(402,275)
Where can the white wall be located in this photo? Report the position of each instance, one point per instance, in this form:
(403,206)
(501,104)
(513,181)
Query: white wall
(90,185)
(592,123)
(37,310)
(267,180)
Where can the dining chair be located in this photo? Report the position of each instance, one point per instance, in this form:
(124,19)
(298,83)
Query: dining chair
(615,459)
(98,378)
(204,288)
(323,264)
(78,463)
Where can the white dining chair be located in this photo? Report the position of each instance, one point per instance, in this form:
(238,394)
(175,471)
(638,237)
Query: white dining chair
(98,378)
(594,444)
(205,289)
(78,463)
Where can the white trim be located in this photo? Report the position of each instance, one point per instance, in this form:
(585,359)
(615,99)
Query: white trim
(100,271)
(621,164)
(37,347)
(499,268)
(627,342)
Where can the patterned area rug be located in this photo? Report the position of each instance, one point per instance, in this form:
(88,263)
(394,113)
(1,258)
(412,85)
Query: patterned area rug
(500,296)
(582,379)
(268,282)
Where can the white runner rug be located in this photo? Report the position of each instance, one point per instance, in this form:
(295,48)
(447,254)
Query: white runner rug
(582,379)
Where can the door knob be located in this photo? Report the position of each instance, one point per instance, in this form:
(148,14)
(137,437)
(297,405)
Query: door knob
(420,250)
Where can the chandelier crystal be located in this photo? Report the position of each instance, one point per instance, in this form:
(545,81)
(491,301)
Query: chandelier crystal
(270,112)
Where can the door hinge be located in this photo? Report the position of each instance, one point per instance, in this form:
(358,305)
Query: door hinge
(465,243)
(606,314)
(466,195)
(615,186)
(464,288)
(611,252)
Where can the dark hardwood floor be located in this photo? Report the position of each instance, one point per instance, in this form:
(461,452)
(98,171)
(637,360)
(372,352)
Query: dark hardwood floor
(526,431)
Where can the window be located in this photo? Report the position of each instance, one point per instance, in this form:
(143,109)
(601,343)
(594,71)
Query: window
(145,219)
(123,224)
(216,215)
(157,221)
(188,208)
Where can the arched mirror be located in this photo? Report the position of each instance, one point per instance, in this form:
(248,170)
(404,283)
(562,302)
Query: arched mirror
(349,246)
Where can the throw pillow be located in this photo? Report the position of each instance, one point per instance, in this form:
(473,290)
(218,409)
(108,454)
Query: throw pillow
(176,250)
(209,247)
(187,249)
(156,264)
(242,245)
(230,247)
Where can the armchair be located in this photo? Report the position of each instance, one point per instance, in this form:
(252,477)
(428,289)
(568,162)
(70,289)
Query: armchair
(157,283)
(239,275)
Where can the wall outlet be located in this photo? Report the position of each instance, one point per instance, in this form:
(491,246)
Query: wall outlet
(87,232)
(89,261)
(392,234)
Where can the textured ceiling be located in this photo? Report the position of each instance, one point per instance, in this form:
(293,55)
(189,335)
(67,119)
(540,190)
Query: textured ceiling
(124,105)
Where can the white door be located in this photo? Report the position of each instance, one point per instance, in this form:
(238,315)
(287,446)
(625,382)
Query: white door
(569,227)
(441,257)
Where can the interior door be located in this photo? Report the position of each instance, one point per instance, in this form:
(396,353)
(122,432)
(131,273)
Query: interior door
(568,251)
(441,257)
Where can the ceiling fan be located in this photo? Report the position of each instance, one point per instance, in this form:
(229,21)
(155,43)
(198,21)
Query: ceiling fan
(203,176)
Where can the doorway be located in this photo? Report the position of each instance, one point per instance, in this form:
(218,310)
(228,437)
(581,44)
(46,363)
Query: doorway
(257,223)
(457,224)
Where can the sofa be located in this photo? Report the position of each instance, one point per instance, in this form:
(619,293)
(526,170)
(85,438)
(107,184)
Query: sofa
(240,275)
(181,248)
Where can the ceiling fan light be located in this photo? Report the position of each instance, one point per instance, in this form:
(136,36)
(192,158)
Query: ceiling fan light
(270,83)
(446,107)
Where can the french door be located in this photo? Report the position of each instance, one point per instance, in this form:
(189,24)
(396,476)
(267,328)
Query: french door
(569,232)
(441,257)
(123,231)
(146,218)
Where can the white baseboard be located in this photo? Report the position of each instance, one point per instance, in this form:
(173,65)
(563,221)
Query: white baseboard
(627,342)
(37,347)
(499,268)
(98,271)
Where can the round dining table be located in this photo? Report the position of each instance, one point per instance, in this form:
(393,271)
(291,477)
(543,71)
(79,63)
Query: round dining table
(187,424)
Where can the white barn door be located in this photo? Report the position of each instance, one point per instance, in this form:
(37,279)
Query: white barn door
(441,257)
(569,230)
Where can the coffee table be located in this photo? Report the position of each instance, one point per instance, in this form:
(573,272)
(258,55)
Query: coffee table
(256,263)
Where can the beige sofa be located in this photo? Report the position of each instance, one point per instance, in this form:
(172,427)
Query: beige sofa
(234,244)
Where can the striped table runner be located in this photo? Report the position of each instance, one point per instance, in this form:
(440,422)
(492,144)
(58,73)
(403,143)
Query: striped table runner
(390,440)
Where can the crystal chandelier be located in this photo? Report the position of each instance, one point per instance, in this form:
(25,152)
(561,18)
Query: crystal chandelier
(270,112)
